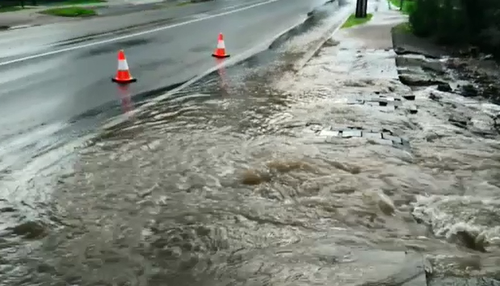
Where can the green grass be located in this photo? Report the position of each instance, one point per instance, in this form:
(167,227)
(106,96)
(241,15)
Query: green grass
(353,21)
(406,5)
(70,12)
(63,3)
(77,2)
(183,3)
(10,9)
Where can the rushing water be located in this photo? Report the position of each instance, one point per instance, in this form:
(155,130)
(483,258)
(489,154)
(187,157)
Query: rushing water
(236,181)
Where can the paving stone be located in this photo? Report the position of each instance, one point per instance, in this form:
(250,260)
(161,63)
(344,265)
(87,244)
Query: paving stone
(331,133)
(372,135)
(351,133)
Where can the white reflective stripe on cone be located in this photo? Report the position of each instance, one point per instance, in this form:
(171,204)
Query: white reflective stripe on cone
(122,65)
(221,45)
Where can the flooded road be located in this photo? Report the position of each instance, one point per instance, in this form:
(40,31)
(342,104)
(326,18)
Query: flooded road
(53,96)
(242,179)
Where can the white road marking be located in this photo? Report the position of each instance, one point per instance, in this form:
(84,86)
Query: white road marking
(132,35)
(19,27)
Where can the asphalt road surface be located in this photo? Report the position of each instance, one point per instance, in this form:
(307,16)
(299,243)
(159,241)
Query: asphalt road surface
(51,91)
(15,43)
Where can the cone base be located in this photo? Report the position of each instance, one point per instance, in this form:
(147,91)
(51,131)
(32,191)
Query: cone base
(123,81)
(220,56)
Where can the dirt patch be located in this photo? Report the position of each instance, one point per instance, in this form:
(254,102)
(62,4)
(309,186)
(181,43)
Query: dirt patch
(422,62)
(406,43)
(254,177)
(483,74)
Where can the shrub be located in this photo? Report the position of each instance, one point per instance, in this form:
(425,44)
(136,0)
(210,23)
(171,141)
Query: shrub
(475,22)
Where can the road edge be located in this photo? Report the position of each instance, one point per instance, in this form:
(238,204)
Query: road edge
(329,33)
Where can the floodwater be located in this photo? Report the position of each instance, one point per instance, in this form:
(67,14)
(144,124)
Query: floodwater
(244,178)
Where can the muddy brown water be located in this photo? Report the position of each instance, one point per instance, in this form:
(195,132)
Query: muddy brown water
(234,182)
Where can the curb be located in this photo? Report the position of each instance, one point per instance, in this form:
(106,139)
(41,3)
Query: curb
(20,27)
(326,35)
(8,28)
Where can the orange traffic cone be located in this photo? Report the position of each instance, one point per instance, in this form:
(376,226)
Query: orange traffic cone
(123,73)
(220,51)
(124,93)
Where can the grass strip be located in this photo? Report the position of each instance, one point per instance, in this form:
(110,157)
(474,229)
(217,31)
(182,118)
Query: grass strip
(70,12)
(353,21)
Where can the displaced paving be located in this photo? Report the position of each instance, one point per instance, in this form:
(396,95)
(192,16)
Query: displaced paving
(444,176)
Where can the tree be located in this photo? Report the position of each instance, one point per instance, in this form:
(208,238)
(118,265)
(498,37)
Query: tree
(475,22)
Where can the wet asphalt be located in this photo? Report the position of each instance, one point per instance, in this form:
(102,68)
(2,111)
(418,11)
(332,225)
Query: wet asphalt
(50,99)
(113,20)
